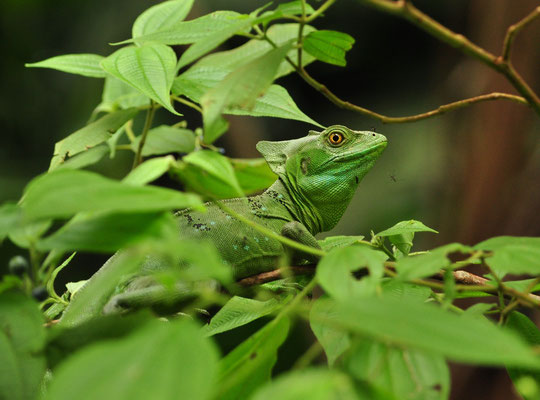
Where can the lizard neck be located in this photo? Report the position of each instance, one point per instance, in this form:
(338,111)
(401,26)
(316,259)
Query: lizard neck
(301,209)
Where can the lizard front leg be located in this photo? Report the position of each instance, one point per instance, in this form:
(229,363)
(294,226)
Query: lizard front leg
(298,232)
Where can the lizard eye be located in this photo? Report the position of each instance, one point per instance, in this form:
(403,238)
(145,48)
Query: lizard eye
(335,138)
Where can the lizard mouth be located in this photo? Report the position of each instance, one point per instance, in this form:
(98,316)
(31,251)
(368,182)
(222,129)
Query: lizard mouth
(358,155)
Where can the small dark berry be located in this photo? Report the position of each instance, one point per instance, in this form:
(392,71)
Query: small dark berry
(18,265)
(221,150)
(40,293)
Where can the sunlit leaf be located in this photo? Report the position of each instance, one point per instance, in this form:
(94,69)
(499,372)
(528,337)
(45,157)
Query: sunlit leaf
(328,46)
(161,17)
(253,174)
(406,227)
(513,255)
(148,171)
(81,64)
(166,139)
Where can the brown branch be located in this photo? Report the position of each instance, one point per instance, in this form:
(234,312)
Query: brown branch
(276,274)
(514,30)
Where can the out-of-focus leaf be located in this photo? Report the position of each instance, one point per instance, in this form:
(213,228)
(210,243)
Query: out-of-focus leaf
(161,360)
(513,255)
(210,174)
(86,158)
(294,8)
(253,175)
(28,232)
(422,265)
(149,68)
(250,364)
(239,311)
(432,329)
(328,46)
(22,338)
(10,217)
(313,384)
(160,17)
(110,231)
(401,373)
(63,193)
(89,136)
(120,95)
(334,271)
(81,64)
(527,382)
(334,242)
(166,139)
(148,171)
(239,89)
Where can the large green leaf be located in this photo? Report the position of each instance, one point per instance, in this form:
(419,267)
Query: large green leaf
(10,218)
(239,311)
(334,271)
(149,68)
(86,158)
(401,373)
(406,227)
(89,136)
(119,95)
(513,255)
(161,17)
(422,265)
(63,193)
(166,139)
(22,338)
(239,90)
(161,360)
(149,171)
(328,46)
(81,64)
(312,384)
(110,231)
(430,328)
(253,175)
(250,364)
(210,174)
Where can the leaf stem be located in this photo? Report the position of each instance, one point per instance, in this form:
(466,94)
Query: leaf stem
(513,30)
(147,124)
(319,10)
(187,103)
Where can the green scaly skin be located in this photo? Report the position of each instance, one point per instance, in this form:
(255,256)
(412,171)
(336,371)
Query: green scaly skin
(317,178)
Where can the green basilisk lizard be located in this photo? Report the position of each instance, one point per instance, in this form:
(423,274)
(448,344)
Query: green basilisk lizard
(317,178)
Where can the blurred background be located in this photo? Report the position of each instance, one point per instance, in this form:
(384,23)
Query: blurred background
(471,174)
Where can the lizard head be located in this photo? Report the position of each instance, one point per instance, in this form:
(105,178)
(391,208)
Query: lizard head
(324,168)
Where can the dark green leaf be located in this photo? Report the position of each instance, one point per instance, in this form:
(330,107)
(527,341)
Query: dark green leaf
(110,232)
(328,46)
(333,242)
(22,338)
(430,328)
(253,175)
(312,384)
(63,193)
(161,360)
(239,311)
(10,218)
(250,364)
(161,17)
(513,255)
(148,171)
(166,139)
(81,64)
(91,135)
(294,8)
(149,68)
(86,158)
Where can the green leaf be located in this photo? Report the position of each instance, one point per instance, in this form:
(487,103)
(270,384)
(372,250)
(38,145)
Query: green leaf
(148,171)
(10,218)
(89,136)
(294,8)
(63,193)
(28,232)
(219,35)
(81,64)
(161,16)
(334,242)
(432,329)
(406,227)
(240,311)
(22,338)
(120,95)
(334,341)
(253,175)
(527,382)
(313,384)
(513,255)
(422,265)
(328,46)
(161,360)
(149,68)
(250,364)
(86,158)
(210,174)
(239,90)
(186,32)
(166,139)
(334,271)
(401,373)
(110,231)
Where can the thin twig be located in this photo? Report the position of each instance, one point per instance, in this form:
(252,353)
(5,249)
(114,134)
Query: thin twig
(147,124)
(514,30)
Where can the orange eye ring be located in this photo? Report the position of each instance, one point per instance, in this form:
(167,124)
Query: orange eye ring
(335,138)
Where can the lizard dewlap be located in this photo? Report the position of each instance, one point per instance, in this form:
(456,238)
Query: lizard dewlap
(317,177)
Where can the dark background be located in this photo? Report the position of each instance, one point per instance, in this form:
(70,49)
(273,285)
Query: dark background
(470,174)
